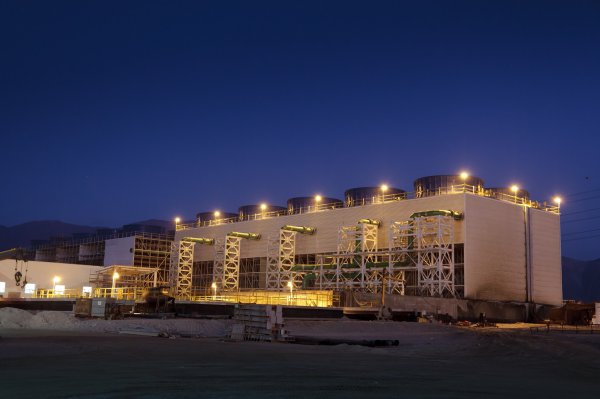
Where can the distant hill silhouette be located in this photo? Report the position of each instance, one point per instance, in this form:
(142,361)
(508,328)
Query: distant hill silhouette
(581,279)
(21,235)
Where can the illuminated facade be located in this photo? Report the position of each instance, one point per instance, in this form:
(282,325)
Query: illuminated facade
(452,240)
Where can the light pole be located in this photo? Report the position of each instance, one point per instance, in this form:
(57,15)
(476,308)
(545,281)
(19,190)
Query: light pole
(515,189)
(263,208)
(318,199)
(177,221)
(557,201)
(464,176)
(290,285)
(115,277)
(55,280)
(214,288)
(384,188)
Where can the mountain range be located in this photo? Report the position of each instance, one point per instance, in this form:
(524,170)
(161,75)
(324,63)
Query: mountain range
(21,235)
(581,279)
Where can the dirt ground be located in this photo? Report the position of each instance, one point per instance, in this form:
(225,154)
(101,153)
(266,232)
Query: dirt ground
(431,361)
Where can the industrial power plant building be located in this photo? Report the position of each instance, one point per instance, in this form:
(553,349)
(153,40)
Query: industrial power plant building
(450,238)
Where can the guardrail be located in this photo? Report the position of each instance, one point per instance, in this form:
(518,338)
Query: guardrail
(384,198)
(566,328)
(312,298)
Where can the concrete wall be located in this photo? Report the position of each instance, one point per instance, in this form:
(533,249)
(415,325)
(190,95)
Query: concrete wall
(496,257)
(494,250)
(327,223)
(42,273)
(119,251)
(546,268)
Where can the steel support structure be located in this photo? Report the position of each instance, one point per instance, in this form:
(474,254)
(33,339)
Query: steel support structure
(357,258)
(231,266)
(181,268)
(421,256)
(281,252)
(219,263)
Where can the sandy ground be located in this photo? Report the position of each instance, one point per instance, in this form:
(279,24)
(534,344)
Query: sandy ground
(91,359)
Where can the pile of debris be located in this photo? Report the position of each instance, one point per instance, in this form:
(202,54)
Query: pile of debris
(258,323)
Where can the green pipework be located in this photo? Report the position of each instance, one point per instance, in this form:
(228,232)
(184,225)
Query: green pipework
(370,221)
(441,212)
(376,265)
(199,240)
(308,279)
(248,236)
(300,229)
(303,268)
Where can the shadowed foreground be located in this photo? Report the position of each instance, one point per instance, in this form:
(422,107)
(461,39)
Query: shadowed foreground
(431,361)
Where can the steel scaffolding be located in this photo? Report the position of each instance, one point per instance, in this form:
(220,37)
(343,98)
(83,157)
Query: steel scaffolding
(231,266)
(181,268)
(357,256)
(421,256)
(219,265)
(281,253)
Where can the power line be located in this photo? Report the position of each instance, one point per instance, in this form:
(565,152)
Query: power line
(577,212)
(581,238)
(579,220)
(582,192)
(580,232)
(583,199)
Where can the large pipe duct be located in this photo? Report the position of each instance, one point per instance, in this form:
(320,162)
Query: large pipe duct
(370,221)
(248,236)
(199,240)
(300,229)
(441,212)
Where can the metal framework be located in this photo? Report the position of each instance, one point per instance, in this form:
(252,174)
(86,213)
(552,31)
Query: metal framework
(357,260)
(281,253)
(219,265)
(181,268)
(231,266)
(421,256)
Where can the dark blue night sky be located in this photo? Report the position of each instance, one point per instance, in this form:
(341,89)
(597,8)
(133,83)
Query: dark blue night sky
(113,112)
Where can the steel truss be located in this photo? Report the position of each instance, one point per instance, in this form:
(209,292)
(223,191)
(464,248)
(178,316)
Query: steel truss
(422,255)
(231,269)
(418,261)
(181,268)
(219,264)
(281,252)
(357,258)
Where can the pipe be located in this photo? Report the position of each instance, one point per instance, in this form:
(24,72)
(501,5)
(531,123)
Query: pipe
(370,221)
(300,229)
(199,240)
(248,236)
(441,212)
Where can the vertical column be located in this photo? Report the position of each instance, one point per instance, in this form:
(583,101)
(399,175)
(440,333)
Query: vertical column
(186,265)
(219,263)
(287,255)
(231,269)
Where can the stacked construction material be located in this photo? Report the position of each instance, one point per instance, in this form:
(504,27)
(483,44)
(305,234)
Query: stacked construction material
(258,323)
